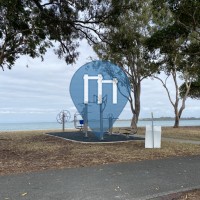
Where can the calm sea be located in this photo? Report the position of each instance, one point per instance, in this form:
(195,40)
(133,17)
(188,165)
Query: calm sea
(118,123)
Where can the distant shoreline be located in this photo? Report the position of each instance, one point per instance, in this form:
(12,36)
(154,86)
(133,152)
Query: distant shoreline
(140,119)
(162,119)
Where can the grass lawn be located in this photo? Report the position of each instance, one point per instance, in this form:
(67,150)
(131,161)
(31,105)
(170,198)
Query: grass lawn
(188,133)
(26,151)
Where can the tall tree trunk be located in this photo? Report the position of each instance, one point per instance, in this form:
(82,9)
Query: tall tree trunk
(134,117)
(136,108)
(177,120)
(133,121)
(178,113)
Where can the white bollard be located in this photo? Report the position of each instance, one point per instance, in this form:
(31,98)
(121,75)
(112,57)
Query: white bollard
(153,137)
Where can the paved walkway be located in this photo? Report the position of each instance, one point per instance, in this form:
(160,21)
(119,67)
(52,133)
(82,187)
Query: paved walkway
(126,181)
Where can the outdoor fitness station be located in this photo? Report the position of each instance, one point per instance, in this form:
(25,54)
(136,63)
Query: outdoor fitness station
(99,91)
(63,117)
(152,138)
(81,120)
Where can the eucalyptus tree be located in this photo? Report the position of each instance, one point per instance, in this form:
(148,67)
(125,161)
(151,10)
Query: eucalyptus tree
(125,47)
(174,50)
(187,14)
(29,27)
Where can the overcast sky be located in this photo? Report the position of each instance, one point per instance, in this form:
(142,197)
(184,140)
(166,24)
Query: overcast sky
(39,92)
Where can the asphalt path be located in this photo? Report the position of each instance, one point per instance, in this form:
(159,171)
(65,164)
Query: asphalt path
(126,181)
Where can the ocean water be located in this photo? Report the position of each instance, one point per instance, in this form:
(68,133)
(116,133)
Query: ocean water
(70,125)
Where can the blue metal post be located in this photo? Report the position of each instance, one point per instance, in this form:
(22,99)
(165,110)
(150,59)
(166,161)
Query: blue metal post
(101,122)
(86,120)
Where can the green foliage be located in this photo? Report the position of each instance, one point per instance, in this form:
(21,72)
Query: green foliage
(166,37)
(126,37)
(30,27)
(194,90)
(176,43)
(186,12)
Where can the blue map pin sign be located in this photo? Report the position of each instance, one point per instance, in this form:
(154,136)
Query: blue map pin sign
(100,91)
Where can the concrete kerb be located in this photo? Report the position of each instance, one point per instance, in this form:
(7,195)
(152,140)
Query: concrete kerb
(139,136)
(81,142)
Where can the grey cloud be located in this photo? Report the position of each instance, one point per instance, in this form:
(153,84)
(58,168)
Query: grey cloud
(40,91)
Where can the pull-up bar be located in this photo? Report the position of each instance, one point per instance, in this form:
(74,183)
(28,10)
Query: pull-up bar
(100,82)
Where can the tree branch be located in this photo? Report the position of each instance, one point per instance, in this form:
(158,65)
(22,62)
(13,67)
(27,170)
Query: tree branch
(165,86)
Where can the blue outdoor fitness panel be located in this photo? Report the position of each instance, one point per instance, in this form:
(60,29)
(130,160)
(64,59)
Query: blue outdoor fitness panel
(100,90)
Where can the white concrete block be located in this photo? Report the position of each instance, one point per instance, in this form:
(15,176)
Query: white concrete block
(153,137)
